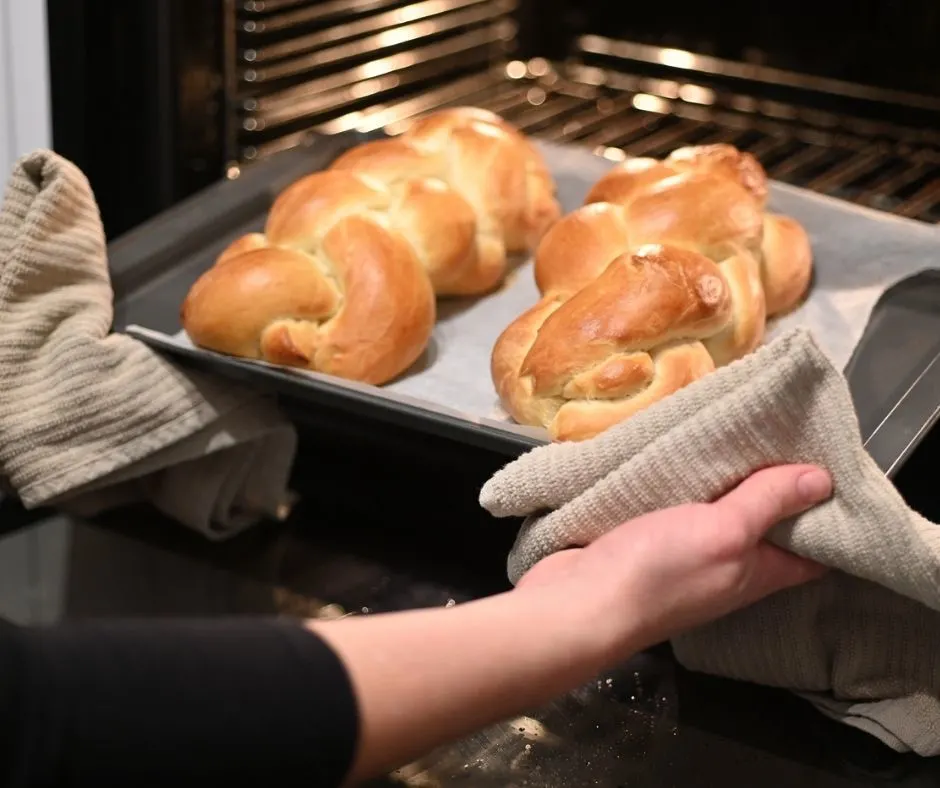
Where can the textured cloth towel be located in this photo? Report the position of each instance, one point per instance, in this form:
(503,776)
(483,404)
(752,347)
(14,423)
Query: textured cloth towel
(861,643)
(90,419)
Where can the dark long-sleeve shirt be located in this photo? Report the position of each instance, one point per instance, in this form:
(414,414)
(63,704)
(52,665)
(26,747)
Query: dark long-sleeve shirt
(201,703)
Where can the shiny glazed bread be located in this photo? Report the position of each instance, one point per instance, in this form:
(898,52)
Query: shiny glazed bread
(343,279)
(670,269)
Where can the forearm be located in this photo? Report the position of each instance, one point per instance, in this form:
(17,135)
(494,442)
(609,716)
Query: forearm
(426,677)
(231,702)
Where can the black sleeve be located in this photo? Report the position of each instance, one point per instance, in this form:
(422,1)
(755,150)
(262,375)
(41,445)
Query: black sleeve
(201,703)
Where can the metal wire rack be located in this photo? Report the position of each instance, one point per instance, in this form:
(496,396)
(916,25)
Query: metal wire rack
(302,68)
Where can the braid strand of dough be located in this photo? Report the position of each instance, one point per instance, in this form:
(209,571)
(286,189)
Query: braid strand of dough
(345,276)
(669,270)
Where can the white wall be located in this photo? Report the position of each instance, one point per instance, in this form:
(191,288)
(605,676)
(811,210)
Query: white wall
(25,116)
(32,586)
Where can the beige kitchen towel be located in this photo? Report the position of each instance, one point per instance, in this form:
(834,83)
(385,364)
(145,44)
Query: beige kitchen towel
(91,419)
(861,643)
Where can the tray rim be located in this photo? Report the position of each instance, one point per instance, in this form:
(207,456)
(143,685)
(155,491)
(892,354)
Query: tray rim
(401,410)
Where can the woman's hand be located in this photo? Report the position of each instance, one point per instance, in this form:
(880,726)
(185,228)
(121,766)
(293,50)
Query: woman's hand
(677,568)
(429,676)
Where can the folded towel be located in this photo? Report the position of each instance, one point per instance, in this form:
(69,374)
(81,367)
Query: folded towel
(90,419)
(861,643)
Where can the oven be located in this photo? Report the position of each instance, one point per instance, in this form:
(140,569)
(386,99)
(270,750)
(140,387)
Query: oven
(157,100)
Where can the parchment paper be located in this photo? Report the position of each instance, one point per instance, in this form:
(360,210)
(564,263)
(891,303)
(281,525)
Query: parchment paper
(858,252)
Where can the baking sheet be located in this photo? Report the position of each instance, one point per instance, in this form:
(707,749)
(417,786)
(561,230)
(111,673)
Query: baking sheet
(859,253)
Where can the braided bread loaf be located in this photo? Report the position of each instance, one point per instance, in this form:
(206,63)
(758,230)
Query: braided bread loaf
(669,270)
(344,278)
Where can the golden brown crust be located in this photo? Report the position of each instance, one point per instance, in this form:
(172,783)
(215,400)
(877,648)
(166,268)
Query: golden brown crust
(653,296)
(579,247)
(343,279)
(676,366)
(509,353)
(669,270)
(362,310)
(241,245)
(481,168)
(744,330)
(602,346)
(786,263)
(233,303)
(481,128)
(724,160)
(388,308)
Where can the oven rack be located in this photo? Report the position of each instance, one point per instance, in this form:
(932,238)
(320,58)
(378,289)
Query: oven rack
(302,69)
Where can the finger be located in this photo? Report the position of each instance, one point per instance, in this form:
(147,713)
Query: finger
(777,569)
(774,494)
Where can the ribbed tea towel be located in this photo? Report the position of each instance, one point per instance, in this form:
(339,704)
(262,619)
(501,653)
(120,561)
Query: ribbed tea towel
(861,643)
(89,418)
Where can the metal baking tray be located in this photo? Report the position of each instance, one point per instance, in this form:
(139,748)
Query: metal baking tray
(862,255)
(154,266)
